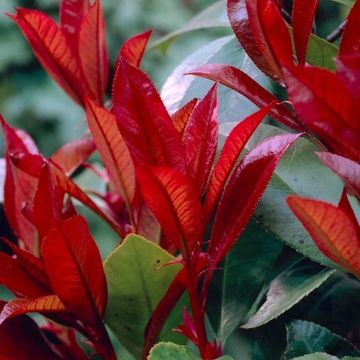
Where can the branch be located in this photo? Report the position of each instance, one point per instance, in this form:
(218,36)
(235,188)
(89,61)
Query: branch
(336,34)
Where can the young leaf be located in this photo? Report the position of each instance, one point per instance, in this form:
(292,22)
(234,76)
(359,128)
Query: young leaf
(75,270)
(112,149)
(302,21)
(72,155)
(347,169)
(144,121)
(181,117)
(350,41)
(231,151)
(134,48)
(93,52)
(240,82)
(44,305)
(332,229)
(348,69)
(246,185)
(200,139)
(52,49)
(326,107)
(172,199)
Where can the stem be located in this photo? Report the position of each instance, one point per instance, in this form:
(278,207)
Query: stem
(336,34)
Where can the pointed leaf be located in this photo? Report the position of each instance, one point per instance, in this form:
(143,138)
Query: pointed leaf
(231,151)
(302,21)
(144,121)
(348,69)
(200,139)
(112,149)
(143,283)
(246,185)
(172,199)
(326,107)
(347,169)
(181,116)
(350,41)
(75,270)
(92,50)
(333,231)
(240,82)
(44,305)
(73,154)
(134,48)
(53,50)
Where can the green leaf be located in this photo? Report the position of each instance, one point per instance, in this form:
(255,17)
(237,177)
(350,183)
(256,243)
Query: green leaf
(321,53)
(299,172)
(179,89)
(306,337)
(349,3)
(212,17)
(136,283)
(245,270)
(288,289)
(316,356)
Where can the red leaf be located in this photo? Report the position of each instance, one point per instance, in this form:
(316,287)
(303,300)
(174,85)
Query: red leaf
(181,117)
(70,14)
(113,150)
(240,23)
(73,264)
(144,121)
(200,139)
(333,231)
(134,48)
(92,50)
(43,305)
(73,154)
(52,48)
(21,339)
(232,149)
(159,316)
(348,69)
(174,202)
(326,107)
(302,21)
(350,41)
(347,169)
(240,82)
(243,191)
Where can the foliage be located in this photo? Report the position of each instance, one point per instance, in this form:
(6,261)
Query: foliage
(200,202)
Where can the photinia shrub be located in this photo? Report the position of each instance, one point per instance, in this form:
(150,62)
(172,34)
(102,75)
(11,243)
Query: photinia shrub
(211,261)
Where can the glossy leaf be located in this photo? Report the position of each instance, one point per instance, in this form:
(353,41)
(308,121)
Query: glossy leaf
(112,149)
(347,169)
(74,267)
(92,50)
(143,120)
(230,153)
(348,69)
(173,200)
(240,82)
(302,21)
(21,339)
(200,139)
(144,280)
(181,116)
(334,232)
(350,41)
(44,305)
(306,337)
(52,49)
(246,185)
(326,107)
(134,48)
(286,290)
(72,155)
